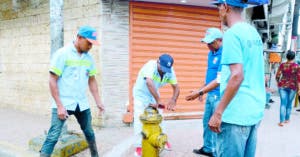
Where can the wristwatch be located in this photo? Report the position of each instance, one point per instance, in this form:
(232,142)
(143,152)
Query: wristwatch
(201,92)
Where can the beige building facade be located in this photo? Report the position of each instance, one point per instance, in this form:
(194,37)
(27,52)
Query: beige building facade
(25,53)
(128,33)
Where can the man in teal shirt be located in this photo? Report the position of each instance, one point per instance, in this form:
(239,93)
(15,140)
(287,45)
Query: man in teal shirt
(72,70)
(242,90)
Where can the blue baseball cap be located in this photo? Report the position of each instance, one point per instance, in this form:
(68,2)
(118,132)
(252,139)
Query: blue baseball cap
(89,33)
(235,3)
(166,62)
(211,35)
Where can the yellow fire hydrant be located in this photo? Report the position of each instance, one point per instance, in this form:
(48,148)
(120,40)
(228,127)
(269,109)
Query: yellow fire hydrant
(153,138)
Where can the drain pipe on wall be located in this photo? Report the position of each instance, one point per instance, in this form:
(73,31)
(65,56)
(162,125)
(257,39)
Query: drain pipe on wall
(57,31)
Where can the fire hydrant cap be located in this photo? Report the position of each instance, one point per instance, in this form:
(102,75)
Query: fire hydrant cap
(151,115)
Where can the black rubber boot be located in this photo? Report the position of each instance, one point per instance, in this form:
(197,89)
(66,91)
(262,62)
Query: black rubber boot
(93,148)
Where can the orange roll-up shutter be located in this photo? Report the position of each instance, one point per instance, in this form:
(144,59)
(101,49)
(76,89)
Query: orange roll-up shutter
(175,29)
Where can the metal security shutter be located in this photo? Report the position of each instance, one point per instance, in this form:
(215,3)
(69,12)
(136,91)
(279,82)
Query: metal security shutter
(175,29)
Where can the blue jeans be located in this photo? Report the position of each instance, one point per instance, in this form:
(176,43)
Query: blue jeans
(236,140)
(287,96)
(268,97)
(209,137)
(84,119)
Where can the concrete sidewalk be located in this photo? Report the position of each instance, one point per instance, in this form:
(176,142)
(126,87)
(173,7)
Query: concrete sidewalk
(17,128)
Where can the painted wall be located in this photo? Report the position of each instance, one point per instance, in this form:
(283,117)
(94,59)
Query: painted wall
(25,53)
(115,56)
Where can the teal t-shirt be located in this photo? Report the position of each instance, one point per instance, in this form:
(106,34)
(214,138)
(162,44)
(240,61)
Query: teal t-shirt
(242,44)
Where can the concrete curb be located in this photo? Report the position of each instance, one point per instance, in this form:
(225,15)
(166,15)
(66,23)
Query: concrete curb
(122,148)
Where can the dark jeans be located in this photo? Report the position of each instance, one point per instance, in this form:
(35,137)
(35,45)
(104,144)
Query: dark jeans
(84,119)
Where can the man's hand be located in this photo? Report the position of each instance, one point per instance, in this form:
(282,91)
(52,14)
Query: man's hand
(215,122)
(62,112)
(160,102)
(100,107)
(200,98)
(192,96)
(157,106)
(171,104)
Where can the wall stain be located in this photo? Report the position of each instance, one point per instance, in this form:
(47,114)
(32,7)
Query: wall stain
(8,10)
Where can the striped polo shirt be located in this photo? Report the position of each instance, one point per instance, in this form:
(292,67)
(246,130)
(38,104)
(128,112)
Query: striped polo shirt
(149,70)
